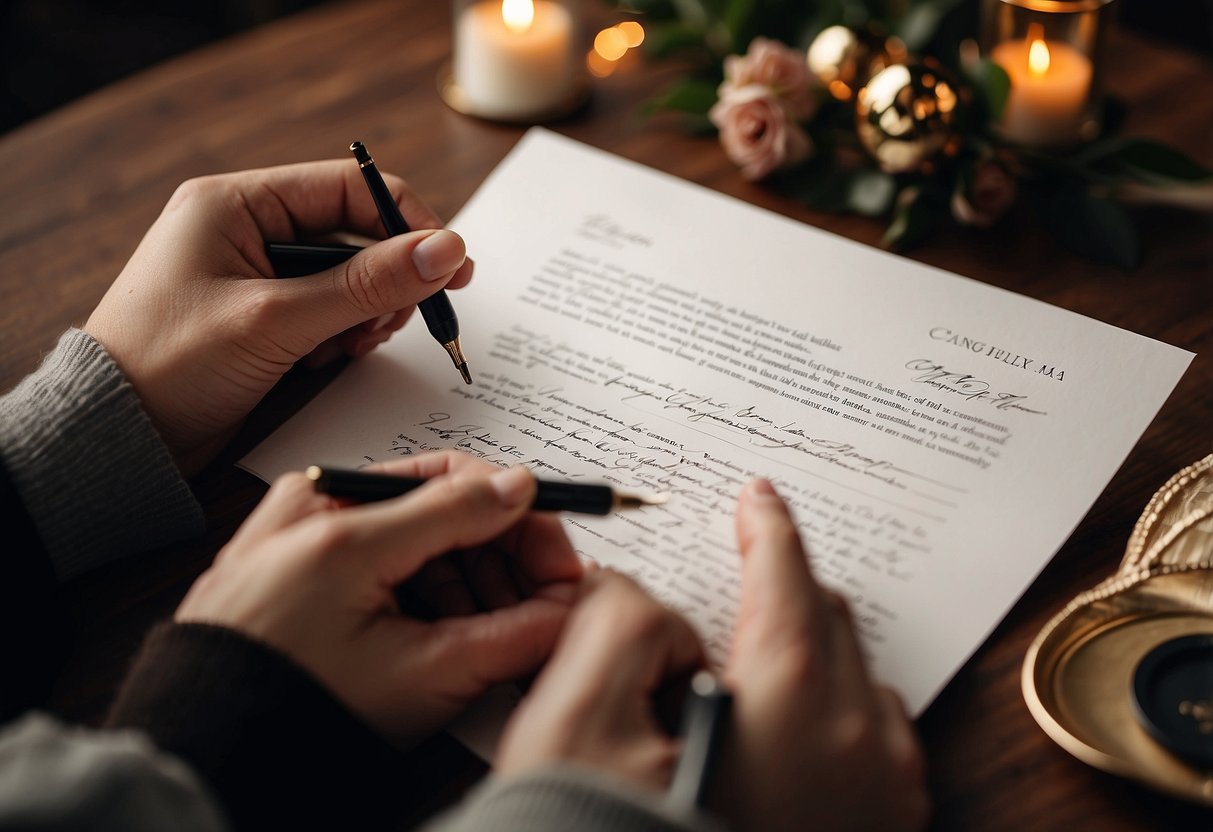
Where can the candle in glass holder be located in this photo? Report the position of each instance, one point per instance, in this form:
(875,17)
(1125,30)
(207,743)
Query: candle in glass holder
(1050,88)
(514,59)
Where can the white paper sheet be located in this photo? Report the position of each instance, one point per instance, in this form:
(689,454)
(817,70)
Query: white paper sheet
(938,438)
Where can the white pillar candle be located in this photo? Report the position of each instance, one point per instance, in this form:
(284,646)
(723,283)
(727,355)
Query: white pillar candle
(1050,83)
(506,67)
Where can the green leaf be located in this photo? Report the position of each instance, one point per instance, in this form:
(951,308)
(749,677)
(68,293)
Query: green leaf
(992,85)
(870,192)
(820,184)
(693,12)
(650,9)
(1093,227)
(737,16)
(664,39)
(690,95)
(913,221)
(1146,161)
(920,22)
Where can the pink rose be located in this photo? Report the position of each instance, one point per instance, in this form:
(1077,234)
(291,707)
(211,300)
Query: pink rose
(988,196)
(779,68)
(755,131)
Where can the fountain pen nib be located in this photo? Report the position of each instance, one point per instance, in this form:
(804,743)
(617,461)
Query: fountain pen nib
(461,364)
(624,499)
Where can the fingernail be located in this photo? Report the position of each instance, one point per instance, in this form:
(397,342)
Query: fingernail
(513,485)
(439,254)
(380,322)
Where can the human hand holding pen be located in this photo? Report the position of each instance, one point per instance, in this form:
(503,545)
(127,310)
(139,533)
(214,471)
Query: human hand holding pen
(202,331)
(321,583)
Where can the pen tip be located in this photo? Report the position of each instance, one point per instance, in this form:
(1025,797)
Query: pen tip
(625,499)
(463,371)
(360,152)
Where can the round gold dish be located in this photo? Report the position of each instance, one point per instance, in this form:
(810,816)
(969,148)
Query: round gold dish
(1078,675)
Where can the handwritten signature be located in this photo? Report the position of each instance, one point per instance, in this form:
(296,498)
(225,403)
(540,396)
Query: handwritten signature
(968,387)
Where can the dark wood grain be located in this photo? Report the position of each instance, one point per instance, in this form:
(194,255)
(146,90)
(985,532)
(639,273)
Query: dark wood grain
(79,187)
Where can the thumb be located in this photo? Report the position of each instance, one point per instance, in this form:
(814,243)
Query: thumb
(388,276)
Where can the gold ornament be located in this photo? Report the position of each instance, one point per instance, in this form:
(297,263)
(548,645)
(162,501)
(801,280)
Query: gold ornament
(843,59)
(906,114)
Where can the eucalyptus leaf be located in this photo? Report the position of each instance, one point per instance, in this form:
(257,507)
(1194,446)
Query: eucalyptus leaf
(921,20)
(1146,161)
(664,39)
(690,95)
(820,184)
(650,9)
(1094,227)
(694,12)
(993,86)
(870,192)
(913,221)
(737,17)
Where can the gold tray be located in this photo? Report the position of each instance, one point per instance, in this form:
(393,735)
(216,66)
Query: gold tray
(1078,673)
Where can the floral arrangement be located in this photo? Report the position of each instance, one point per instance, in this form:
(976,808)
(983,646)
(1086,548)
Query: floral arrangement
(797,117)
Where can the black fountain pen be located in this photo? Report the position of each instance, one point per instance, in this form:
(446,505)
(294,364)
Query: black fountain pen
(436,309)
(367,487)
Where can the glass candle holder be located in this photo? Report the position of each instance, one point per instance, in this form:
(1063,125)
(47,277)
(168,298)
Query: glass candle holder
(516,60)
(1052,50)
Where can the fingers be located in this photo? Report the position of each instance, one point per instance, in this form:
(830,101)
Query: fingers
(594,704)
(434,464)
(907,764)
(776,586)
(785,613)
(380,280)
(507,643)
(451,512)
(601,651)
(291,498)
(541,550)
(291,201)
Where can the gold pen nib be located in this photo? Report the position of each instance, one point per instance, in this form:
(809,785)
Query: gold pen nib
(623,499)
(461,364)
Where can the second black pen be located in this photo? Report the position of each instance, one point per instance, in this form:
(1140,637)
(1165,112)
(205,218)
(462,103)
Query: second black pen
(437,311)
(367,487)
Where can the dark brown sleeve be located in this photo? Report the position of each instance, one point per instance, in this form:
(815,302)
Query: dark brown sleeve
(277,748)
(33,628)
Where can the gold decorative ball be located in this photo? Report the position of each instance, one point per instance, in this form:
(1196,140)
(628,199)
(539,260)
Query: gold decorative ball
(843,59)
(907,114)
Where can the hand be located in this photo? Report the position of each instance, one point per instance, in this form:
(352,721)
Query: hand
(593,704)
(318,582)
(201,331)
(813,744)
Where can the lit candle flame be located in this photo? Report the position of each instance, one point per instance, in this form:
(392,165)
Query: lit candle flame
(517,14)
(1038,50)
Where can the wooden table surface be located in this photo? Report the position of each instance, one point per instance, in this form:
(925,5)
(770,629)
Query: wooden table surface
(79,187)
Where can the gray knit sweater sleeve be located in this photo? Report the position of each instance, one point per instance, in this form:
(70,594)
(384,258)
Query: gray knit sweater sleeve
(560,798)
(90,468)
(55,777)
